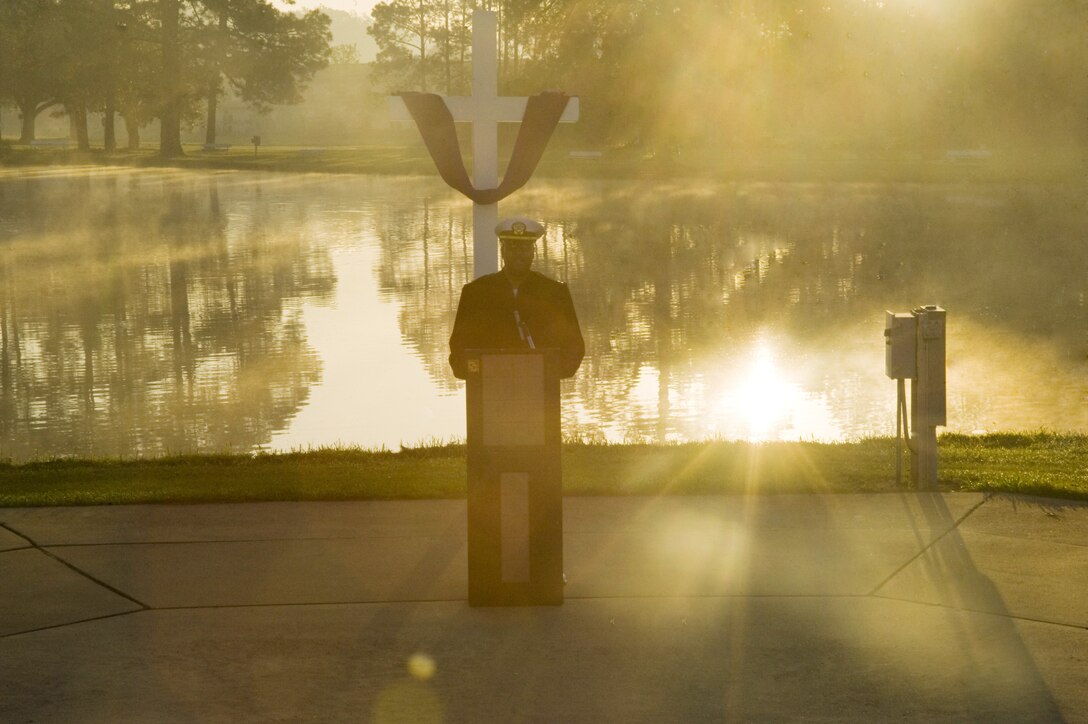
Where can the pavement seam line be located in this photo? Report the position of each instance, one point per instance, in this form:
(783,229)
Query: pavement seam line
(982,612)
(34,545)
(11,530)
(71,623)
(955,526)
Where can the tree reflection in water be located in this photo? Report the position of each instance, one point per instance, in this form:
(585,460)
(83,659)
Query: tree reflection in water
(755,311)
(138,317)
(144,312)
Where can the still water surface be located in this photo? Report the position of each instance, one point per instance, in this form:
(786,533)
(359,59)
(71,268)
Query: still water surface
(146,312)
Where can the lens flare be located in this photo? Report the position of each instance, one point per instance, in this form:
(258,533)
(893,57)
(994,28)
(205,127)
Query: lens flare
(421,666)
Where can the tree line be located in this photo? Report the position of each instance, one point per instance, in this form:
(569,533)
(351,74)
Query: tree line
(684,77)
(698,75)
(141,60)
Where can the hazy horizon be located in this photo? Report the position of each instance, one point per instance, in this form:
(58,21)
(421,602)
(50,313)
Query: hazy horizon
(358,7)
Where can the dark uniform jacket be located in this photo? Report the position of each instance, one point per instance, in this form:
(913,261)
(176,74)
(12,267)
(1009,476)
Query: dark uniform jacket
(486,320)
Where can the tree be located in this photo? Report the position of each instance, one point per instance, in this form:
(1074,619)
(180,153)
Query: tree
(83,69)
(453,38)
(265,55)
(172,83)
(347,54)
(113,24)
(405,32)
(31,48)
(136,68)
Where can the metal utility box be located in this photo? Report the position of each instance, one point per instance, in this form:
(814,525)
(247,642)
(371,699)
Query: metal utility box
(900,346)
(914,349)
(515,495)
(929,394)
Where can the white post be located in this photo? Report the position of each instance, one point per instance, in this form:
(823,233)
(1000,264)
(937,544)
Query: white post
(485,141)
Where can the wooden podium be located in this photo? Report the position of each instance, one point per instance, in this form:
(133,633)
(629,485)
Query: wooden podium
(515,491)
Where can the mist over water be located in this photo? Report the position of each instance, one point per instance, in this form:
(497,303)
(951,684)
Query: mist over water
(152,312)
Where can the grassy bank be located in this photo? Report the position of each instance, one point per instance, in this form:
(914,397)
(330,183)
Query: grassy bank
(563,161)
(1035,464)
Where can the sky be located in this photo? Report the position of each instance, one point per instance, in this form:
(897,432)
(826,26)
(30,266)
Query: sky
(359,7)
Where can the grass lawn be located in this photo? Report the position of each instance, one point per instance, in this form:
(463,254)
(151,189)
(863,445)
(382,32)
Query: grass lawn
(1034,464)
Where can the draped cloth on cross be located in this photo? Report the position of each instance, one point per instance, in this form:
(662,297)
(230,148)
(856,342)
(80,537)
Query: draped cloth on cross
(436,125)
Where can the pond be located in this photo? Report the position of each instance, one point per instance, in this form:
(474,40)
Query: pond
(145,312)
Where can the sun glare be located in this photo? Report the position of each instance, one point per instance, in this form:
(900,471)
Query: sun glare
(761,397)
(761,402)
(757,396)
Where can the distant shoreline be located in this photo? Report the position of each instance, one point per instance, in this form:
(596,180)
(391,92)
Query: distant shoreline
(1057,166)
(1047,464)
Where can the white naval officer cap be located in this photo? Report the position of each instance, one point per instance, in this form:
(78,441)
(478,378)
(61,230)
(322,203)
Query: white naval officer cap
(519,228)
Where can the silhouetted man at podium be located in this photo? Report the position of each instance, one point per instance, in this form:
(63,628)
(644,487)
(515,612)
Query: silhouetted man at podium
(517,308)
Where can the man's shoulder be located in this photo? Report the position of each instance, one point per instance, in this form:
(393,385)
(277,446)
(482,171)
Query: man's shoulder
(487,281)
(544,281)
(493,278)
(497,282)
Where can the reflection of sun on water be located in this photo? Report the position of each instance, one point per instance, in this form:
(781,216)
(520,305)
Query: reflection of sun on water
(755,396)
(760,399)
(760,403)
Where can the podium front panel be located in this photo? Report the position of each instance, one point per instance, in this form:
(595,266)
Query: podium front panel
(515,499)
(512,398)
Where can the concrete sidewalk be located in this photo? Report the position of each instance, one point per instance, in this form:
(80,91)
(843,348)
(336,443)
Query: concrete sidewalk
(688,609)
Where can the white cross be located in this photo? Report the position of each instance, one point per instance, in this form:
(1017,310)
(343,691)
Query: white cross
(485,109)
